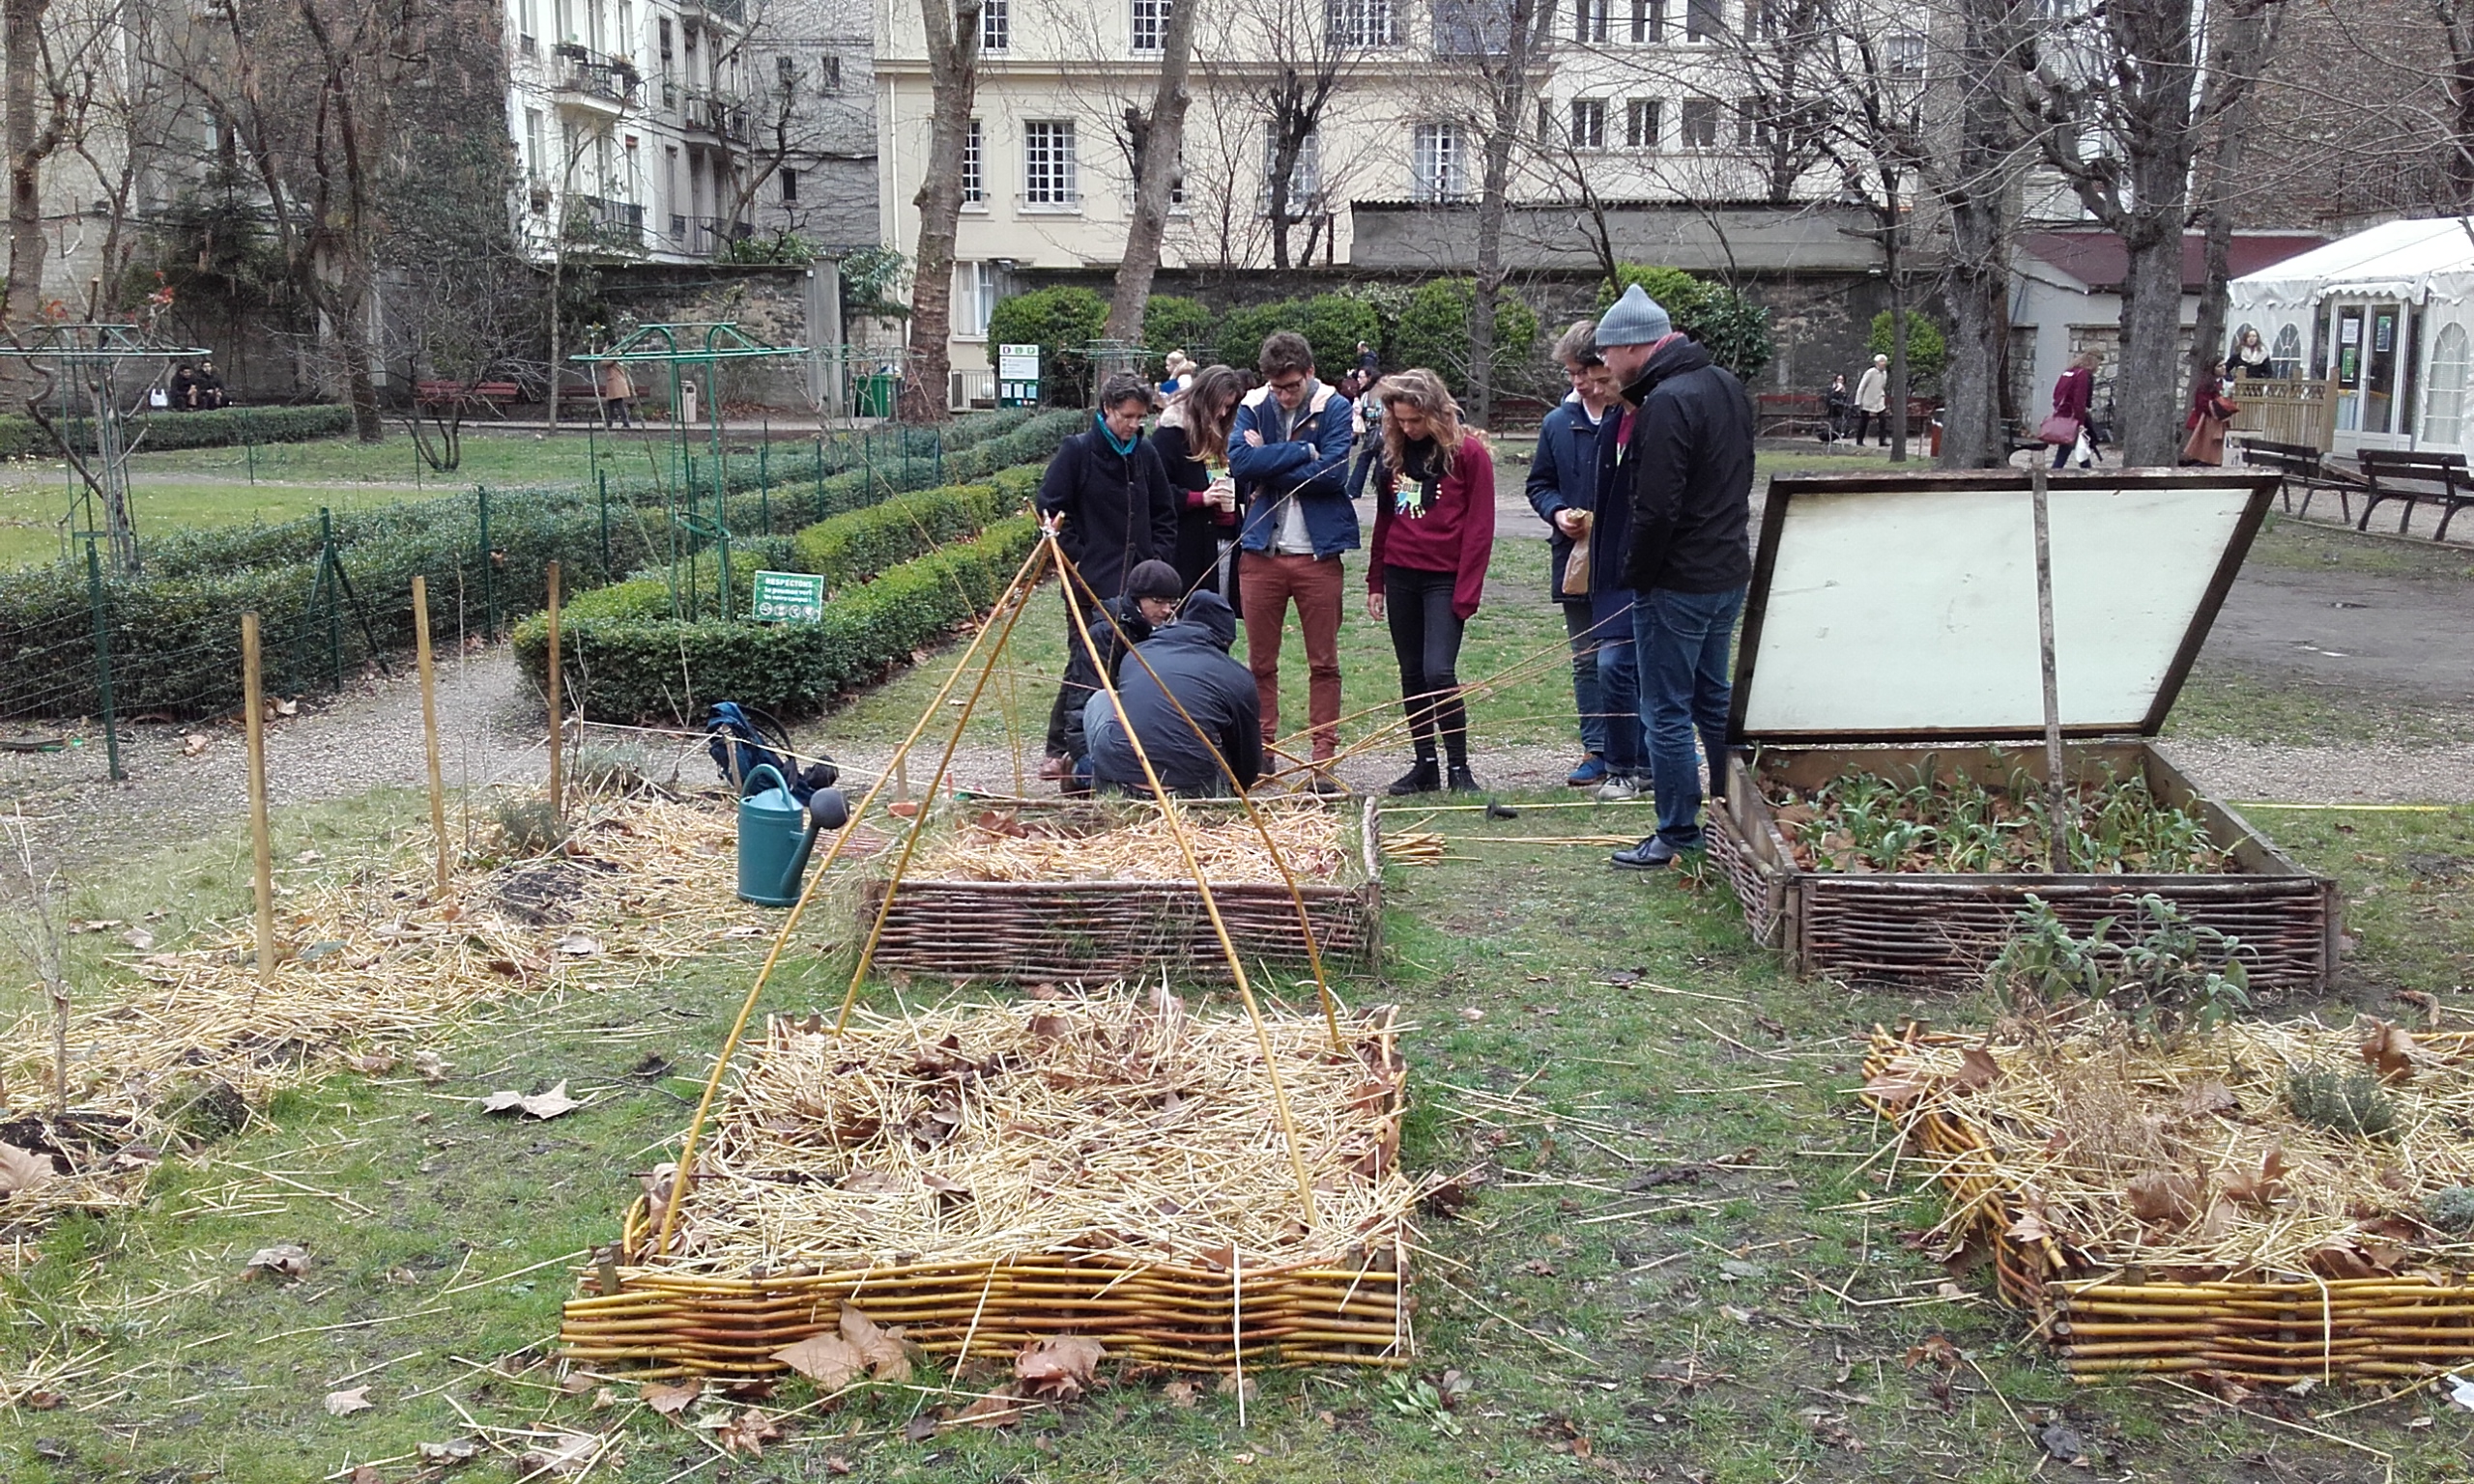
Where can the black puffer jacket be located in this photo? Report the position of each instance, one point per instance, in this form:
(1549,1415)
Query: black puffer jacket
(1190,657)
(1688,470)
(1118,510)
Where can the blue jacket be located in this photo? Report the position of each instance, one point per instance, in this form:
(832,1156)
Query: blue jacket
(1311,464)
(1563,475)
(1610,600)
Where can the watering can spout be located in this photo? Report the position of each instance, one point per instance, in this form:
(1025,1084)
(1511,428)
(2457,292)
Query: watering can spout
(773,849)
(827,809)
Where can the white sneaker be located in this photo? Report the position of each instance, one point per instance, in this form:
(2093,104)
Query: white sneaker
(1617,790)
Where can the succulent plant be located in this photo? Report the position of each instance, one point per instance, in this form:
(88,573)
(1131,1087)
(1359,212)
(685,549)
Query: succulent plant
(2352,1105)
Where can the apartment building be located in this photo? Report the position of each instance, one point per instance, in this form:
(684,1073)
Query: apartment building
(1636,101)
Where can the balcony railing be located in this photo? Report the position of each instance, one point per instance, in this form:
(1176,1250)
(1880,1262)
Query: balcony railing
(734,11)
(705,237)
(711,113)
(614,226)
(584,74)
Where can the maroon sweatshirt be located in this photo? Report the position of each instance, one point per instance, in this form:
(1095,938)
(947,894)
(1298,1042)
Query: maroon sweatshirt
(1452,529)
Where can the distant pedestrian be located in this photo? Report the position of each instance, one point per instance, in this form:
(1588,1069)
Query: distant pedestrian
(1370,365)
(2211,413)
(2251,358)
(2072,394)
(1835,404)
(184,388)
(1192,439)
(1112,491)
(1873,399)
(1563,489)
(1179,374)
(1289,451)
(1687,471)
(617,394)
(1425,571)
(210,388)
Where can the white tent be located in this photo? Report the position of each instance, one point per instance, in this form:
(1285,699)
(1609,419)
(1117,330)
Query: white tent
(2387,316)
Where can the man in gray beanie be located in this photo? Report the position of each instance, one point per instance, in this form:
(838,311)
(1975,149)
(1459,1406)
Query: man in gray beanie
(1685,471)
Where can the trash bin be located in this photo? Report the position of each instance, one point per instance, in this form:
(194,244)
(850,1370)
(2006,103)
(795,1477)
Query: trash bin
(876,395)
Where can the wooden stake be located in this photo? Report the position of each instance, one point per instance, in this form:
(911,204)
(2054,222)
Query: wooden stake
(558,683)
(2057,783)
(429,723)
(253,700)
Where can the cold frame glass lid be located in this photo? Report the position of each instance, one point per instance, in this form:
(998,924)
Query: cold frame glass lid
(1905,607)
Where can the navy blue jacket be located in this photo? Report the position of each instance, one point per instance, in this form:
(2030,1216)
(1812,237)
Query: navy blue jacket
(1190,657)
(1119,511)
(1309,465)
(1610,600)
(1563,475)
(1689,471)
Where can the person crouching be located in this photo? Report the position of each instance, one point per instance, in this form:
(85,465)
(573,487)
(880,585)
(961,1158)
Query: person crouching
(1183,666)
(1150,600)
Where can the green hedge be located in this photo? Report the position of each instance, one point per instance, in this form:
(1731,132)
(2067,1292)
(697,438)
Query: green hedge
(657,668)
(161,432)
(1060,322)
(175,637)
(1433,332)
(1735,329)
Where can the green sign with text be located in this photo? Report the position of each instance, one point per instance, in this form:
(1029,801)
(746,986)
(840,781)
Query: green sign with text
(790,598)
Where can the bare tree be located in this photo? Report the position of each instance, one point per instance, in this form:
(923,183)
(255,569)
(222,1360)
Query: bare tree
(1299,55)
(1503,54)
(2242,39)
(1156,163)
(1973,169)
(51,74)
(953,38)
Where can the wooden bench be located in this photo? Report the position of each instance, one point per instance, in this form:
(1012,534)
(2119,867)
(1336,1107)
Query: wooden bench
(494,396)
(1782,413)
(2300,464)
(2438,478)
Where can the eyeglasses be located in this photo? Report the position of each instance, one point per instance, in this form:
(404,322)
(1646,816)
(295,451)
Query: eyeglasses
(1292,384)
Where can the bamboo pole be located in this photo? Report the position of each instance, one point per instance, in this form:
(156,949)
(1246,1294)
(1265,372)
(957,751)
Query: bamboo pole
(2056,781)
(557,684)
(1018,588)
(261,850)
(429,723)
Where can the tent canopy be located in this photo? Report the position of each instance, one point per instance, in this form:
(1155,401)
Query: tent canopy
(2418,261)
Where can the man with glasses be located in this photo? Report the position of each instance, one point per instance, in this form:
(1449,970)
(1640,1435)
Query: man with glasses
(1288,450)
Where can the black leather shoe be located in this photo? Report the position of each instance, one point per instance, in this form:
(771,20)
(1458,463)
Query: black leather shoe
(1460,780)
(1650,854)
(1421,778)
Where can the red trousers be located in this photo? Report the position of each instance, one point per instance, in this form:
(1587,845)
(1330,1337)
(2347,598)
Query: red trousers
(1265,585)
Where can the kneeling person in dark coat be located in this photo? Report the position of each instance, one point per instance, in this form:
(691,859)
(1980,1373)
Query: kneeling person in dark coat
(1190,659)
(1150,600)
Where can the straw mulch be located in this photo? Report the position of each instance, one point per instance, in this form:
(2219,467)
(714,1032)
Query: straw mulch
(988,1175)
(1107,846)
(2099,1155)
(375,968)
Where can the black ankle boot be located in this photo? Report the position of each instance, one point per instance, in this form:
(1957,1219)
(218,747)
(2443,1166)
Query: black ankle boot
(1421,778)
(1460,780)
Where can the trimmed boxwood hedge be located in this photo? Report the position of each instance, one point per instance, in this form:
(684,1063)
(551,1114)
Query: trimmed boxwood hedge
(175,634)
(659,670)
(161,432)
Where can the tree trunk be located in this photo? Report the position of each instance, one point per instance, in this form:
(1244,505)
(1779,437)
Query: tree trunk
(22,56)
(953,77)
(1162,147)
(1894,269)
(558,350)
(2148,412)
(1508,104)
(2245,38)
(1977,184)
(1283,168)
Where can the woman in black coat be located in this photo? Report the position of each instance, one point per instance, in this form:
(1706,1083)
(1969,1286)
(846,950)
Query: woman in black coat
(1192,439)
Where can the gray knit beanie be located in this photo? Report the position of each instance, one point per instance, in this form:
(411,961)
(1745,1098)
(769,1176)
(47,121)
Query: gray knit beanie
(1636,319)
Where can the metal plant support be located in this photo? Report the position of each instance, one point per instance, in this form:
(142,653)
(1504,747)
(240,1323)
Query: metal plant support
(693,344)
(81,360)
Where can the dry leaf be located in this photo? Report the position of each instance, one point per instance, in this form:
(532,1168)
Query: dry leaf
(2266,1187)
(1231,1385)
(456,1450)
(1181,1393)
(22,1169)
(285,707)
(376,1063)
(288,1260)
(580,945)
(670,1401)
(1051,1027)
(835,1463)
(2340,1260)
(2211,1097)
(880,1347)
(1059,1366)
(193,744)
(138,938)
(1894,1090)
(2163,1199)
(559,1452)
(549,1104)
(1936,1347)
(365,1473)
(2029,1227)
(343,1404)
(997,1410)
(826,1359)
(749,1432)
(1977,1069)
(2390,1051)
(2218,1222)
(431,1066)
(42,1401)
(604,1398)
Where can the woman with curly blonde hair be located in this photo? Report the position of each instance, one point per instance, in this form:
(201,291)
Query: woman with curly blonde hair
(1434,533)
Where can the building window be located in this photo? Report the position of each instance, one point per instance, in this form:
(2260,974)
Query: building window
(1437,163)
(1361,23)
(1704,20)
(975,300)
(2286,354)
(995,25)
(663,30)
(789,184)
(528,22)
(828,73)
(2444,407)
(1589,20)
(786,73)
(1150,26)
(1305,177)
(1048,164)
(536,146)
(974,182)
(1752,121)
(1471,28)
(1904,53)
(1648,21)
(1589,123)
(1642,123)
(1699,118)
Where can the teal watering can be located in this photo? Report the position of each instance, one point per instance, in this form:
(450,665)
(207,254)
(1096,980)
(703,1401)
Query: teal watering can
(776,836)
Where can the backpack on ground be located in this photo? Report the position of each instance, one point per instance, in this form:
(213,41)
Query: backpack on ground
(742,739)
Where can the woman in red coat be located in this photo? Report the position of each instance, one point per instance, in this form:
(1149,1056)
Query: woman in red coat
(1434,531)
(2072,396)
(2211,415)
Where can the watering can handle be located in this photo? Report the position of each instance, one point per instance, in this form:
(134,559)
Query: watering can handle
(747,784)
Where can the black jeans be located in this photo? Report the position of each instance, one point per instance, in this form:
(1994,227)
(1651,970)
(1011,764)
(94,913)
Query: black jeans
(1081,680)
(1426,637)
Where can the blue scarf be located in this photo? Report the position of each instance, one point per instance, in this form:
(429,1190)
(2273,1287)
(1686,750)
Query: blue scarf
(1125,450)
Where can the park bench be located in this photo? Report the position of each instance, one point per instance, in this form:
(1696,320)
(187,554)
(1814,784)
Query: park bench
(570,394)
(2438,478)
(2300,464)
(1785,414)
(494,396)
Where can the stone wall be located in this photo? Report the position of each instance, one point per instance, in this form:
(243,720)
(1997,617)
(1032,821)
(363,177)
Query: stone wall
(770,306)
